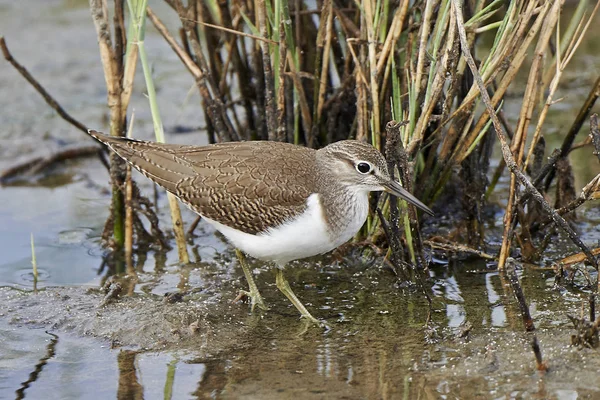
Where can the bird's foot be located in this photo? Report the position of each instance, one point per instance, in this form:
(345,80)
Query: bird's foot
(317,322)
(255,299)
(312,322)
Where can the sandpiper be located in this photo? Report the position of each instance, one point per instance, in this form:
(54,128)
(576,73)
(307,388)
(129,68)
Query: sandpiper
(274,201)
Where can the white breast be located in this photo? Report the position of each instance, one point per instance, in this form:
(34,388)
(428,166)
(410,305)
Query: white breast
(302,237)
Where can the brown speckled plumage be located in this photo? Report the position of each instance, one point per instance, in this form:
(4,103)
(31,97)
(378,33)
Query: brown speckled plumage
(231,183)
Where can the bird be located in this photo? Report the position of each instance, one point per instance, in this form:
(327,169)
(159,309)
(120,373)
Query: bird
(274,201)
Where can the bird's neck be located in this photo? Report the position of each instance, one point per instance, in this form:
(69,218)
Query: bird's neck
(345,209)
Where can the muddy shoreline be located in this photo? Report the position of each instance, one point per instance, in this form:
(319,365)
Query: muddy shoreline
(492,359)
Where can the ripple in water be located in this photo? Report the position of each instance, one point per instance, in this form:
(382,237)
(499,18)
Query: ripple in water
(25,277)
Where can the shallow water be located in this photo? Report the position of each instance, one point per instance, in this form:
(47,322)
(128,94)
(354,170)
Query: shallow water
(61,342)
(377,344)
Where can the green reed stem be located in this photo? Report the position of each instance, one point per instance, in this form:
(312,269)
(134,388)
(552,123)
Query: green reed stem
(137,9)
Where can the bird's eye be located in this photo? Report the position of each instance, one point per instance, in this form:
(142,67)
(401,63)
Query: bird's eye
(363,167)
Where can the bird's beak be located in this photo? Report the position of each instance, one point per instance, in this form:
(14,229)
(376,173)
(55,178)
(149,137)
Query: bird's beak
(394,188)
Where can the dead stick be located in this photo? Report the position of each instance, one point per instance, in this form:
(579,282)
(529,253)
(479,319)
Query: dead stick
(193,226)
(222,28)
(49,99)
(576,258)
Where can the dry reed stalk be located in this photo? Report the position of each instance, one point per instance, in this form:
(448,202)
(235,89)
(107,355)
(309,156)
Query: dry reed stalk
(580,119)
(183,51)
(530,100)
(183,55)
(590,191)
(206,37)
(564,45)
(506,151)
(205,81)
(324,37)
(435,90)
(495,64)
(178,228)
(561,63)
(576,258)
(461,138)
(129,214)
(423,39)
(99,9)
(450,247)
(361,84)
(238,33)
(533,87)
(375,116)
(118,114)
(392,37)
(281,98)
(303,103)
(271,112)
(525,33)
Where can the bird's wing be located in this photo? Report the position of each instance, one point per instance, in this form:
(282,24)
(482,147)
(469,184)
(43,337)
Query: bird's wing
(250,186)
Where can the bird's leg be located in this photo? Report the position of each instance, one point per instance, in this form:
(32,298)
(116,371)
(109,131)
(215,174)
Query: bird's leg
(255,297)
(284,286)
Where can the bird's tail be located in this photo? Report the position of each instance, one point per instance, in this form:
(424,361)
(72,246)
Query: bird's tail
(157,161)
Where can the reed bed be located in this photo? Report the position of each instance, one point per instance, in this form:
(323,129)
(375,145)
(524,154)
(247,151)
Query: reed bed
(315,73)
(424,81)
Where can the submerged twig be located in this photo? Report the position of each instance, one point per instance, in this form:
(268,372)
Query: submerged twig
(525,313)
(458,248)
(38,164)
